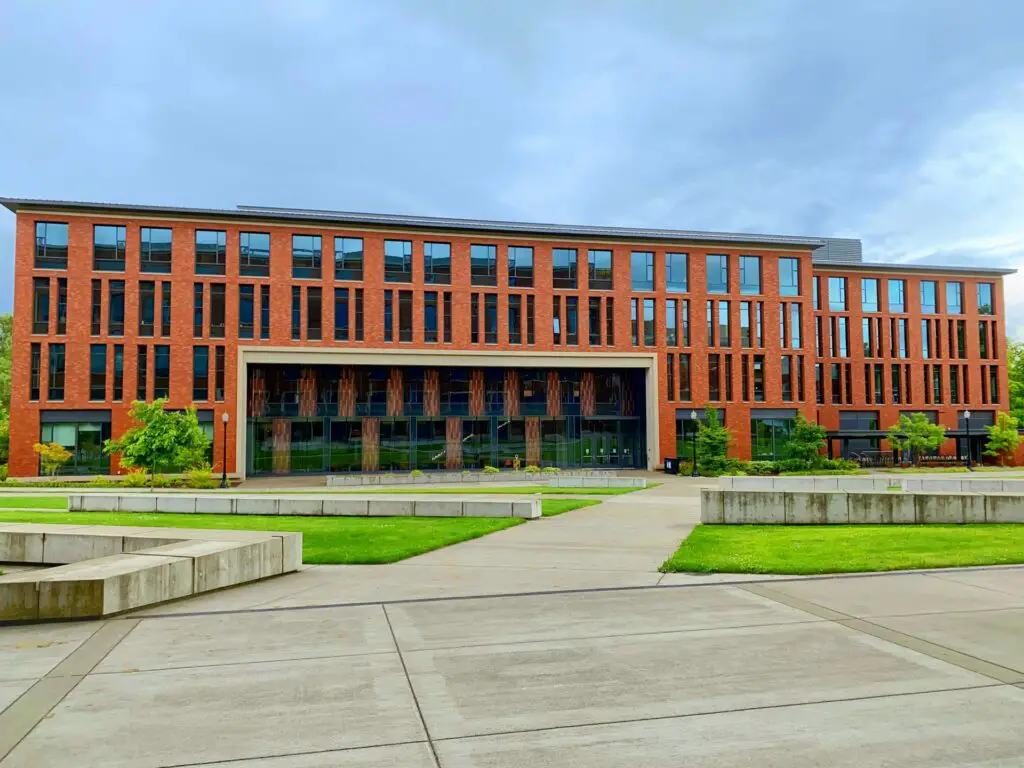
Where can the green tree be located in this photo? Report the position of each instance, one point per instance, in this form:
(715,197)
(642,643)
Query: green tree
(52,456)
(1003,437)
(916,434)
(713,441)
(5,385)
(161,439)
(806,441)
(1015,370)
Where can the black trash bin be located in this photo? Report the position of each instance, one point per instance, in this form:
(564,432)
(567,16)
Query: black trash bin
(672,465)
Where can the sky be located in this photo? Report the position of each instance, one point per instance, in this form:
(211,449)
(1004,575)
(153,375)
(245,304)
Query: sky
(900,122)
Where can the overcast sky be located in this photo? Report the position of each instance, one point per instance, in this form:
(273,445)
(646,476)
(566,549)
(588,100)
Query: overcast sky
(897,121)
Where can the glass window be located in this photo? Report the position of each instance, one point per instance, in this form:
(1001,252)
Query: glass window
(218,310)
(41,305)
(745,336)
(118,372)
(789,276)
(563,267)
(142,369)
(869,294)
(62,305)
(197,310)
(405,316)
(837,294)
(348,258)
(642,270)
(218,374)
(56,373)
(769,437)
(474,318)
(165,309)
(200,373)
(359,314)
(35,374)
(297,311)
(115,308)
(447,317)
(341,314)
(437,263)
(161,371)
(85,442)
(254,254)
(155,250)
(572,320)
(491,318)
(98,372)
(929,293)
(897,301)
(649,331)
(398,261)
(314,313)
(684,377)
(758,377)
(108,247)
(520,266)
(389,316)
(714,377)
(483,264)
(750,274)
(955,298)
(986,302)
(717,273)
(147,308)
(677,272)
(609,322)
(724,339)
(634,322)
(843,333)
(264,311)
(816,290)
(246,311)
(51,245)
(306,255)
(211,252)
(599,269)
(671,313)
(515,319)
(796,322)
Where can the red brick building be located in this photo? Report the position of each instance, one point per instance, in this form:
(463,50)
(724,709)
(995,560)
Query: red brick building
(344,342)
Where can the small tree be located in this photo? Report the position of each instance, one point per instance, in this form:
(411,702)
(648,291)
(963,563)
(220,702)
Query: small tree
(52,456)
(806,441)
(161,439)
(713,440)
(916,434)
(1003,437)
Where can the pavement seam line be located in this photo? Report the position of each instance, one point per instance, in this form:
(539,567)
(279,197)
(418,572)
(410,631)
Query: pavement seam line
(412,690)
(280,755)
(945,578)
(942,653)
(19,719)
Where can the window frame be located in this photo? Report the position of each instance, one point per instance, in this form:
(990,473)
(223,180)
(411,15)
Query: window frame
(217,265)
(253,261)
(147,263)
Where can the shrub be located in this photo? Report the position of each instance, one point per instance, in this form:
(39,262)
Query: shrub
(52,456)
(761,468)
(551,470)
(134,479)
(713,441)
(806,441)
(531,469)
(3,473)
(201,477)
(838,464)
(794,465)
(489,470)
(416,473)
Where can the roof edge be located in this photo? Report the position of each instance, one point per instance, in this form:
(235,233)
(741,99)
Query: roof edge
(882,266)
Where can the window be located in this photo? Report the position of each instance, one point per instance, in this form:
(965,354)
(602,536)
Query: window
(599,270)
(211,252)
(264,311)
(759,324)
(714,377)
(789,276)
(62,306)
(437,263)
(686,322)
(254,254)
(710,318)
(843,336)
(837,384)
(520,266)
(897,385)
(306,255)
(677,272)
(246,311)
(165,309)
(108,247)
(750,274)
(902,333)
(529,320)
(405,316)
(897,290)
(314,313)
(35,372)
(118,372)
(986,303)
(684,377)
(819,385)
(572,320)
(563,267)
(115,308)
(348,258)
(954,384)
(929,293)
(787,378)
(197,311)
(218,374)
(51,245)
(759,378)
(993,384)
(868,294)
(641,267)
(98,372)
(515,319)
(816,291)
(297,311)
(141,374)
(200,373)
(961,340)
(879,383)
(937,384)
(556,319)
(161,371)
(671,312)
(359,314)
(634,309)
(982,339)
(397,261)
(218,298)
(447,317)
(650,338)
(389,316)
(954,298)
(925,338)
(745,337)
(724,337)
(717,273)
(341,314)
(837,294)
(41,305)
(474,318)
(491,318)
(56,373)
(795,324)
(147,308)
(483,264)
(155,250)
(670,370)
(594,320)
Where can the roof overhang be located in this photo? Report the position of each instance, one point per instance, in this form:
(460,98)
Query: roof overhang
(929,269)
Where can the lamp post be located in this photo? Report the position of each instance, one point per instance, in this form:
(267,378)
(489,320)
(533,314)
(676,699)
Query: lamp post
(967,426)
(224,456)
(693,418)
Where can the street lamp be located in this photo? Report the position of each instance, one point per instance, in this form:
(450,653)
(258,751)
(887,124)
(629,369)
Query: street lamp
(224,456)
(967,426)
(693,418)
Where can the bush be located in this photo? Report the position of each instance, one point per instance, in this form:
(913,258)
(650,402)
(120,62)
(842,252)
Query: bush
(551,470)
(531,469)
(794,465)
(416,473)
(202,477)
(489,470)
(135,479)
(715,466)
(3,473)
(761,468)
(838,464)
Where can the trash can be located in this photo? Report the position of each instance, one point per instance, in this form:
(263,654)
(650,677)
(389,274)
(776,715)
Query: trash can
(672,465)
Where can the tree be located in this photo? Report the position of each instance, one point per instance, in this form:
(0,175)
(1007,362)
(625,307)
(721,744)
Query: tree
(1015,371)
(1003,437)
(806,441)
(916,434)
(713,440)
(52,456)
(161,439)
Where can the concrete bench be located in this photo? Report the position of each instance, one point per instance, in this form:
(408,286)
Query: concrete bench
(597,482)
(470,478)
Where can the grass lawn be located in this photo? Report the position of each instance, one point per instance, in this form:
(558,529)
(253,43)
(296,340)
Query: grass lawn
(31,501)
(325,540)
(844,548)
(943,470)
(472,489)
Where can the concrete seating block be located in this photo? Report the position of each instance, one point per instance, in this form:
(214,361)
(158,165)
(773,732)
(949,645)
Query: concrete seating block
(438,508)
(974,508)
(310,505)
(290,545)
(181,503)
(877,508)
(1004,508)
(343,507)
(939,507)
(527,509)
(883,484)
(216,564)
(912,484)
(863,484)
(19,598)
(211,504)
(63,548)
(726,483)
(1014,487)
(755,507)
(385,507)
(256,504)
(981,485)
(753,483)
(803,508)
(488,508)
(21,547)
(98,502)
(137,502)
(930,485)
(712,509)
(133,544)
(825,483)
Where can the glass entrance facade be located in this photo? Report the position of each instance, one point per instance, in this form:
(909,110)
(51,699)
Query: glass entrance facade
(363,419)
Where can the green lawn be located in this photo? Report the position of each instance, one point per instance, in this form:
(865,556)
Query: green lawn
(325,540)
(944,470)
(31,501)
(844,548)
(473,489)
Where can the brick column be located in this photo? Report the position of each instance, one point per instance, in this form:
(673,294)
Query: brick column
(395,392)
(282,451)
(453,442)
(371,444)
(533,440)
(431,393)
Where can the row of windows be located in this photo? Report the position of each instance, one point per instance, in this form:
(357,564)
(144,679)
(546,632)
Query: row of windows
(836,331)
(870,296)
(895,388)
(720,378)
